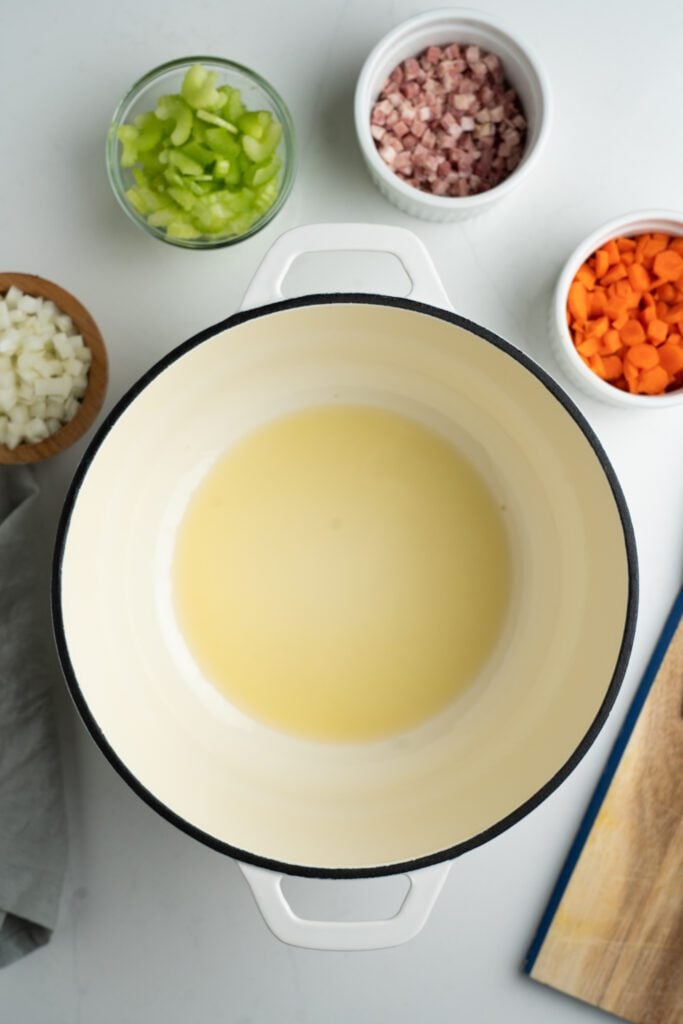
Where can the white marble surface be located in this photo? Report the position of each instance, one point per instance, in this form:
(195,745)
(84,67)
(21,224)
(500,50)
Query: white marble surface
(154,927)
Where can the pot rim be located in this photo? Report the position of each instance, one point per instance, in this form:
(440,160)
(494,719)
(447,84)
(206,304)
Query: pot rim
(400,867)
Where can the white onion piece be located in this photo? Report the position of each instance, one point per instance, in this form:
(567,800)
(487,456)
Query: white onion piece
(44,367)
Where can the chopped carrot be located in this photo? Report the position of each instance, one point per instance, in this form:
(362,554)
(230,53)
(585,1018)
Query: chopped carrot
(596,302)
(612,252)
(643,356)
(668,264)
(610,342)
(657,243)
(578,301)
(657,331)
(613,367)
(654,381)
(675,314)
(596,328)
(625,312)
(589,347)
(632,333)
(671,358)
(601,262)
(615,273)
(638,277)
(666,292)
(586,276)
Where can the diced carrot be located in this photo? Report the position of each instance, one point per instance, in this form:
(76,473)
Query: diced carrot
(643,356)
(626,244)
(632,333)
(675,314)
(597,365)
(578,301)
(677,245)
(601,262)
(610,342)
(647,315)
(632,375)
(657,243)
(641,245)
(654,381)
(613,367)
(666,292)
(662,309)
(612,251)
(620,321)
(615,273)
(671,358)
(638,277)
(586,276)
(626,259)
(596,302)
(657,331)
(589,347)
(668,265)
(596,328)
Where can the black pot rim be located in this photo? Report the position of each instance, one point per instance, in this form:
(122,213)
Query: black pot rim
(401,867)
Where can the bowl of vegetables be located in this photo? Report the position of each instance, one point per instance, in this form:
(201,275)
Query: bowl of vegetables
(617,315)
(53,369)
(201,152)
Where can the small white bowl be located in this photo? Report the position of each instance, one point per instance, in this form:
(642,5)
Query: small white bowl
(437,28)
(571,362)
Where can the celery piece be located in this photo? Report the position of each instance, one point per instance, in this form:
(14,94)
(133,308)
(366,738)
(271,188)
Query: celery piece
(128,136)
(149,127)
(198,89)
(141,177)
(255,123)
(198,188)
(172,177)
(172,108)
(242,222)
(182,229)
(162,218)
(151,162)
(200,154)
(220,141)
(259,174)
(258,151)
(205,115)
(233,107)
(266,195)
(133,197)
(222,167)
(182,197)
(185,164)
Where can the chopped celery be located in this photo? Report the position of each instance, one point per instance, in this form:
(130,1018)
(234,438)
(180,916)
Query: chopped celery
(201,163)
(185,164)
(259,174)
(258,151)
(172,108)
(204,115)
(198,89)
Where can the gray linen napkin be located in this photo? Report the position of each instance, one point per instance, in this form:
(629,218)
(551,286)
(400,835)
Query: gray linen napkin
(32,819)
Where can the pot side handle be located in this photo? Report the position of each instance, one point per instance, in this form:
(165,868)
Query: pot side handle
(409,919)
(426,286)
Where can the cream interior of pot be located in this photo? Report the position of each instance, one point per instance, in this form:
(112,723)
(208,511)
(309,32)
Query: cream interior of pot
(346,805)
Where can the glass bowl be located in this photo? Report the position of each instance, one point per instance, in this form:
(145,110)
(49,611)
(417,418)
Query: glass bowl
(257,94)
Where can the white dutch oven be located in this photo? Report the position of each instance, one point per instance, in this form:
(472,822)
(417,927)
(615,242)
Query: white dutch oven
(406,805)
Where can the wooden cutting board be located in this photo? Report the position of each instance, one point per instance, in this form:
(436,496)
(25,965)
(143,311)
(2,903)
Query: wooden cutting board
(612,933)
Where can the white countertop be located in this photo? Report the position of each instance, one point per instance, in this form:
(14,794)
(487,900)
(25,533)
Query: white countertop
(153,926)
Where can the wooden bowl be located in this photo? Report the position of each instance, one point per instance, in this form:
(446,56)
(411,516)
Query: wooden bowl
(91,403)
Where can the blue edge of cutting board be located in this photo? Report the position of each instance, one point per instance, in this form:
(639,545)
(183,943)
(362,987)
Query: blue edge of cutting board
(603,785)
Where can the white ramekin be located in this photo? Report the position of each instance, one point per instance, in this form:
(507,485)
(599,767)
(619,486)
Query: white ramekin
(448,25)
(569,359)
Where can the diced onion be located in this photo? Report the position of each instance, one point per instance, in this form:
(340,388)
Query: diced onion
(44,367)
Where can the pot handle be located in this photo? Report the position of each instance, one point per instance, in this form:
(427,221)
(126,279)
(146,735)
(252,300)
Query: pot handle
(409,919)
(426,285)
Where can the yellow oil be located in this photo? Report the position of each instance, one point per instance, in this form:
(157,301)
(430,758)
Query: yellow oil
(341,573)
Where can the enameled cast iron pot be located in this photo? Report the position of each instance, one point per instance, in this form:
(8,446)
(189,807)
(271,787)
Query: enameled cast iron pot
(407,805)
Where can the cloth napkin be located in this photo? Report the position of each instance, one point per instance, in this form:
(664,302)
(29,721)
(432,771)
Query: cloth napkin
(32,818)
